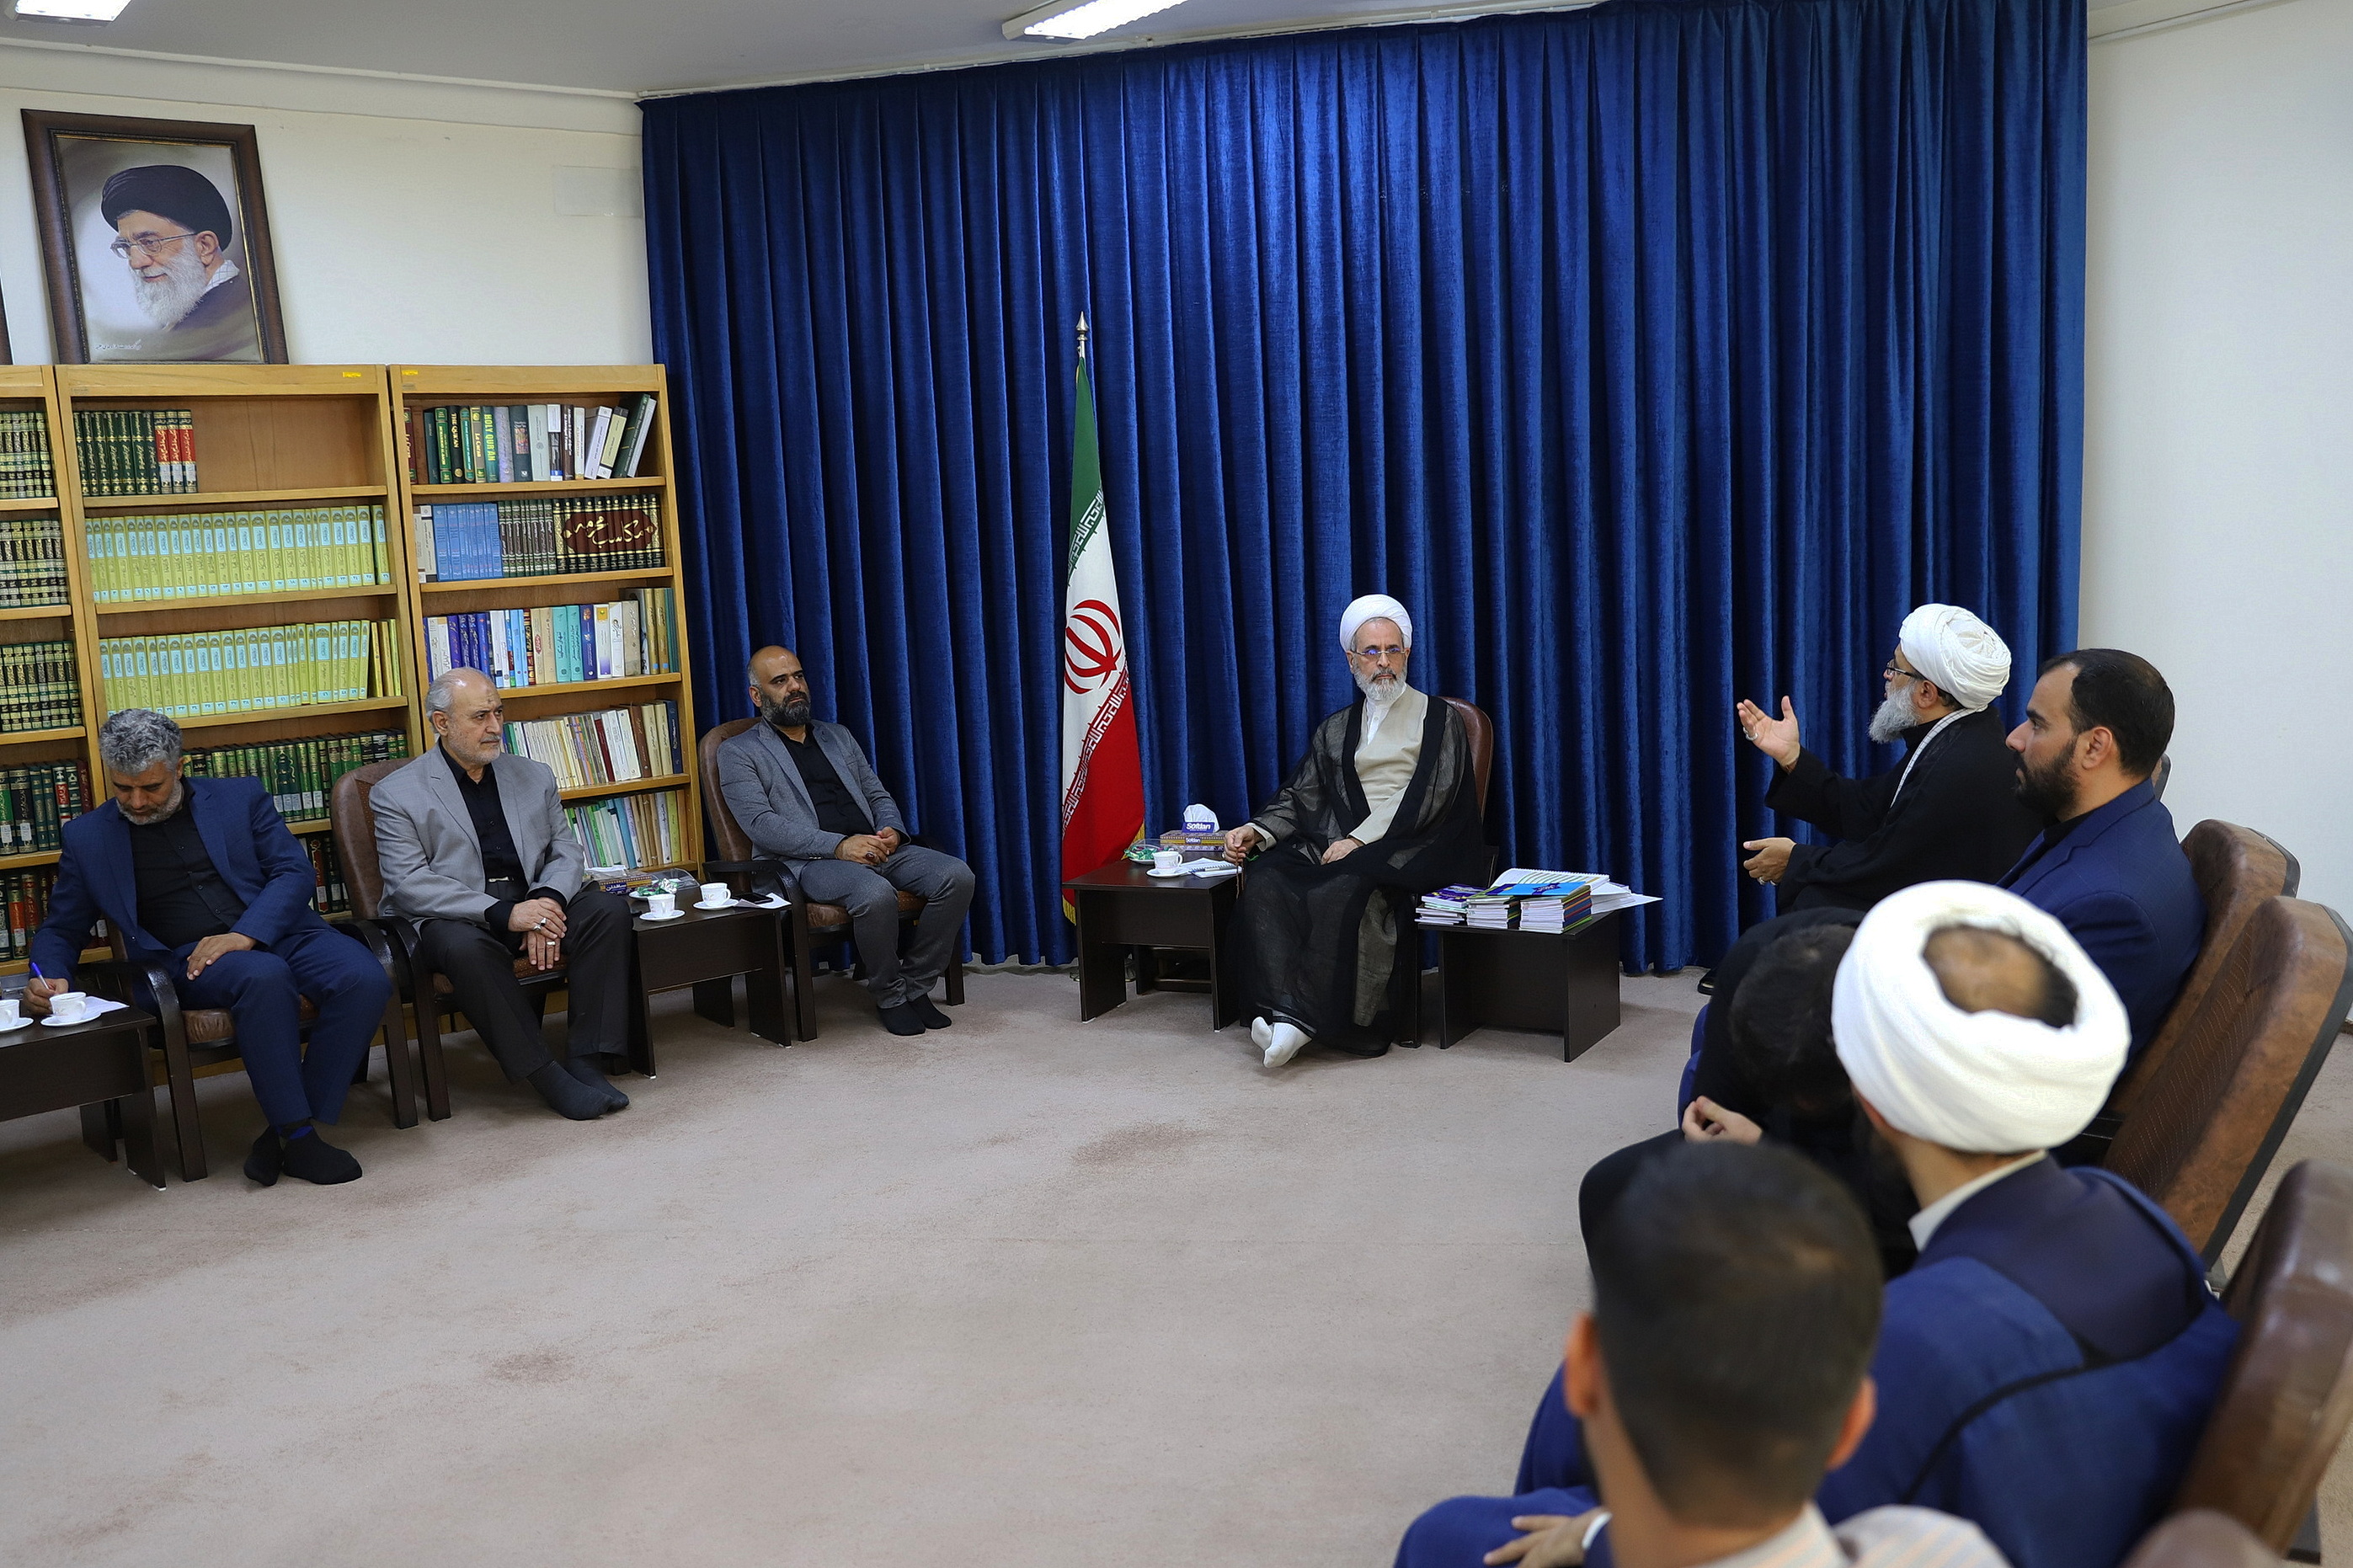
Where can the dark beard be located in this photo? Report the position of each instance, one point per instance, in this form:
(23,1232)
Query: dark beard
(791,713)
(2051,791)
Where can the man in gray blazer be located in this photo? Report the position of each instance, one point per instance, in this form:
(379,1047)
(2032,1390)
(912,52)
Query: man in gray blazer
(803,793)
(477,851)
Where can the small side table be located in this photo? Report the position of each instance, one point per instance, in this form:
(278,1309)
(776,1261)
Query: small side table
(1121,906)
(1552,983)
(99,1065)
(707,949)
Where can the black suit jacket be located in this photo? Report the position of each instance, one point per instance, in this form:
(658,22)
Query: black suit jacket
(1959,817)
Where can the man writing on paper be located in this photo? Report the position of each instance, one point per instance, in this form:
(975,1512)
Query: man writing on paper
(1950,811)
(1384,803)
(475,850)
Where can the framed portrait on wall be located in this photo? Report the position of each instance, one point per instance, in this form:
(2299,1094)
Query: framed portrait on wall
(154,241)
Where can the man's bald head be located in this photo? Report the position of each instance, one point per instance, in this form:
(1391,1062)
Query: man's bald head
(779,688)
(1984,971)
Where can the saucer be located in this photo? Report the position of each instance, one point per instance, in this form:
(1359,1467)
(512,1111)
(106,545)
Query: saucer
(21,1021)
(728,905)
(674,914)
(65,1023)
(1180,871)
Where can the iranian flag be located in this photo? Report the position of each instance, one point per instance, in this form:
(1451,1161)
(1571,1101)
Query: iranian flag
(1102,770)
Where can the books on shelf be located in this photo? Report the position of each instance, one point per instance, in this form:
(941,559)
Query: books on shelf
(27,895)
(25,471)
(200,674)
(632,830)
(32,562)
(37,800)
(612,745)
(136,451)
(530,443)
(40,687)
(539,536)
(300,775)
(556,644)
(333,896)
(214,554)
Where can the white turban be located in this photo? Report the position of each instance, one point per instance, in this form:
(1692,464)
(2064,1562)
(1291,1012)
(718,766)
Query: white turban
(1374,607)
(1959,652)
(1986,1083)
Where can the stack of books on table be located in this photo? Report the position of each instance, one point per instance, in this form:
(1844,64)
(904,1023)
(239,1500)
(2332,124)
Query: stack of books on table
(1521,900)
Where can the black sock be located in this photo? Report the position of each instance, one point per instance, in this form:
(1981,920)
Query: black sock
(316,1160)
(565,1094)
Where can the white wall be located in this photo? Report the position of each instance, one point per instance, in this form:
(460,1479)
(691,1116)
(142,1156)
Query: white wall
(398,237)
(2218,507)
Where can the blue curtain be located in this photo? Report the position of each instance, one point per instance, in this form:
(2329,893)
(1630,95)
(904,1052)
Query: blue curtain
(1654,354)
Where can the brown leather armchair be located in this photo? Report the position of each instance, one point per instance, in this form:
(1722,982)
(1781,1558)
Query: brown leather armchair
(1479,730)
(192,1037)
(805,923)
(2203,1132)
(2288,1396)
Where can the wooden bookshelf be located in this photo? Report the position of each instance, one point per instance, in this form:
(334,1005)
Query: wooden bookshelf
(425,386)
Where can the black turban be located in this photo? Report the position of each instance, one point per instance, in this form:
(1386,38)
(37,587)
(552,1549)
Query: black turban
(172,191)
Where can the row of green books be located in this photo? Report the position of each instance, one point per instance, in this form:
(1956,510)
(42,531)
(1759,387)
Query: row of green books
(37,800)
(530,443)
(199,674)
(136,451)
(212,554)
(624,832)
(612,745)
(40,687)
(25,471)
(32,562)
(300,774)
(544,536)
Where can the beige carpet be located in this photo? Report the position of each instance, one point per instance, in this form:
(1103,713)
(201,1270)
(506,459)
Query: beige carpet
(1026,1292)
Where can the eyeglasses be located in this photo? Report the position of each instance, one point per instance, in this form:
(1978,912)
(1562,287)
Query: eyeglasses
(151,244)
(1898,671)
(1375,654)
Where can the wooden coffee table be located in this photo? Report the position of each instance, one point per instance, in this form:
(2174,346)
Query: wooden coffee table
(707,949)
(1552,983)
(1121,908)
(99,1065)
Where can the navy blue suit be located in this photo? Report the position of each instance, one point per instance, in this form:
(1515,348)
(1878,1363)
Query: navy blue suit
(2122,887)
(2044,1371)
(298,953)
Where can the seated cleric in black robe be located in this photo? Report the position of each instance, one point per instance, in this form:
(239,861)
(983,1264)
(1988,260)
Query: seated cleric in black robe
(1383,807)
(1950,812)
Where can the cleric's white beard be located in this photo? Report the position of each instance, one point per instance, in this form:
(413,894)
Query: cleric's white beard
(1380,693)
(1894,716)
(167,299)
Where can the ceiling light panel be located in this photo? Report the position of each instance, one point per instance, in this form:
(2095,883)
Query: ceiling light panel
(1083,20)
(67,10)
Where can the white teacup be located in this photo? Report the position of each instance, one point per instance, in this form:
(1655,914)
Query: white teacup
(1166,859)
(716,896)
(661,905)
(70,1006)
(11,1013)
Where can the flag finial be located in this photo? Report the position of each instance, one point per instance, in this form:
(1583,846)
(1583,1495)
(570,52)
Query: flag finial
(1083,334)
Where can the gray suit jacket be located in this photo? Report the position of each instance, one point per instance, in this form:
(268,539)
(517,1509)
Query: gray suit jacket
(425,838)
(763,787)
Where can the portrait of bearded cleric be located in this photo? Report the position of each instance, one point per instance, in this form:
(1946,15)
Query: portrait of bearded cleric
(163,246)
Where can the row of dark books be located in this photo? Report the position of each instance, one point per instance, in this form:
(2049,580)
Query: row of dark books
(613,745)
(32,562)
(136,451)
(25,471)
(300,774)
(528,443)
(333,896)
(27,895)
(37,800)
(556,644)
(40,687)
(464,541)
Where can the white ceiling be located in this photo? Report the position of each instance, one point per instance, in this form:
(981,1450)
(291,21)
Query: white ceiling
(628,47)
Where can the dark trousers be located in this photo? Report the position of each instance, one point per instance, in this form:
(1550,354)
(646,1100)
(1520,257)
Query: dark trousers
(262,990)
(870,894)
(598,959)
